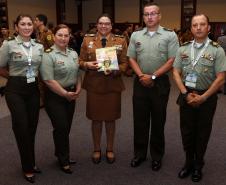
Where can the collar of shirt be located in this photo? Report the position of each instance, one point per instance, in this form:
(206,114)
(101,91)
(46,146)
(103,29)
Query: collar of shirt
(59,51)
(158,31)
(99,37)
(20,40)
(200,45)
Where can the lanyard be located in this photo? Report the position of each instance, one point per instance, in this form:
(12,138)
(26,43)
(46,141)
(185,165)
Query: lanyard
(193,60)
(28,54)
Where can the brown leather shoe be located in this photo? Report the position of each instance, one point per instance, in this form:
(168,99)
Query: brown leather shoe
(110,157)
(96,157)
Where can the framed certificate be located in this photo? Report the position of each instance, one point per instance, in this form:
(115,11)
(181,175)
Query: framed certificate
(107,58)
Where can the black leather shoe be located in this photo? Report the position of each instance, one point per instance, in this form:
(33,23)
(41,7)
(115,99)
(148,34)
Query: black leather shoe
(29,178)
(196,175)
(96,159)
(185,172)
(71,161)
(66,169)
(110,160)
(156,165)
(36,170)
(136,161)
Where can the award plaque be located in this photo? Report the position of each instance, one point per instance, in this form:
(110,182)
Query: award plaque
(107,58)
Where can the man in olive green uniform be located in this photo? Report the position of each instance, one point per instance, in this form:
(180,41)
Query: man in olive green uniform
(151,54)
(199,71)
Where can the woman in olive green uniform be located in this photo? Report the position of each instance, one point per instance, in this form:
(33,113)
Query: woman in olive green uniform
(23,56)
(60,72)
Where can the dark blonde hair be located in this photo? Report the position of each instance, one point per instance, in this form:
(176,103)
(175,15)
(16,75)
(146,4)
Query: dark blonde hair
(61,26)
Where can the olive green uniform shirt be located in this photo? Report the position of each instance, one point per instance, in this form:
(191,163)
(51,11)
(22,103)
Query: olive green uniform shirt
(12,54)
(151,52)
(211,62)
(60,66)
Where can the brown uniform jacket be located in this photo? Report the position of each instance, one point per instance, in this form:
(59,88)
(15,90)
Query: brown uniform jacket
(45,37)
(96,81)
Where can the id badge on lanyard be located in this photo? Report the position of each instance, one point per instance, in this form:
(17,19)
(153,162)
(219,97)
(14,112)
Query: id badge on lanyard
(30,75)
(191,77)
(191,80)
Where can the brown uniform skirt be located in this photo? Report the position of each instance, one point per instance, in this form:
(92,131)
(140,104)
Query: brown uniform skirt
(103,107)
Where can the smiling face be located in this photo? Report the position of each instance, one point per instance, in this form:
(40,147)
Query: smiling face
(104,26)
(25,27)
(200,28)
(61,38)
(151,17)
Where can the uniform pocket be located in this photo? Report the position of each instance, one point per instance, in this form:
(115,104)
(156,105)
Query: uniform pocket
(18,56)
(205,66)
(60,68)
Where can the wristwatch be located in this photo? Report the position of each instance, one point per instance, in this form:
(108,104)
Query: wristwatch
(153,77)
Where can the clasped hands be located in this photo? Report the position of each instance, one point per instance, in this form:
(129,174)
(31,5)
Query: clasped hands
(195,100)
(146,80)
(70,95)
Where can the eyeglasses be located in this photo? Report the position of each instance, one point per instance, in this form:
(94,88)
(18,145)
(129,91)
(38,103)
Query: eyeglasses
(153,14)
(104,23)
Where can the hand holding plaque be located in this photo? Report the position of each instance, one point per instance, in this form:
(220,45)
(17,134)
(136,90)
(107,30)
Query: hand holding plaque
(107,59)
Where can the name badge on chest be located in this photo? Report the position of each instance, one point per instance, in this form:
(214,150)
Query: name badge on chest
(191,80)
(30,75)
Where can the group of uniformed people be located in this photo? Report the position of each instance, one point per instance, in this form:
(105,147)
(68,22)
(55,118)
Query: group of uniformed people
(24,57)
(198,68)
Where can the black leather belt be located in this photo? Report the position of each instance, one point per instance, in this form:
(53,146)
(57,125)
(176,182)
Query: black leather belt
(70,88)
(199,92)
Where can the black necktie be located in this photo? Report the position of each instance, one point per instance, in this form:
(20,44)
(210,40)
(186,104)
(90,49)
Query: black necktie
(103,42)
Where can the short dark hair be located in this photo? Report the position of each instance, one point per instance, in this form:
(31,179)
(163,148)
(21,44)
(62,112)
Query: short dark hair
(150,4)
(104,15)
(60,26)
(21,16)
(207,18)
(43,18)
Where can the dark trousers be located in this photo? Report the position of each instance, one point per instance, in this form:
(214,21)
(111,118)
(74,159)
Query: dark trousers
(150,103)
(60,112)
(196,126)
(23,102)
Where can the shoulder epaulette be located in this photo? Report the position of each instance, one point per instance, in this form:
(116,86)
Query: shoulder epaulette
(48,50)
(215,44)
(89,35)
(121,36)
(167,29)
(185,43)
(10,38)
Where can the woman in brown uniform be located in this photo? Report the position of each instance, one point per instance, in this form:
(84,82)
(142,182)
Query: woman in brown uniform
(103,88)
